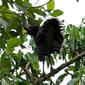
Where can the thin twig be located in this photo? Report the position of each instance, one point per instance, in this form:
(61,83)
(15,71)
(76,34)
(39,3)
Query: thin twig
(12,70)
(36,2)
(38,6)
(51,81)
(43,4)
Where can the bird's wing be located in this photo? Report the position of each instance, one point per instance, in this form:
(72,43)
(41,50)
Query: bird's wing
(40,36)
(50,35)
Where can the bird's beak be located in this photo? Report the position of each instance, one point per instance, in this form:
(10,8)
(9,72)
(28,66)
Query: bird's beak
(24,31)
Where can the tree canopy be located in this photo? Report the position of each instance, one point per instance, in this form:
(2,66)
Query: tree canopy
(19,68)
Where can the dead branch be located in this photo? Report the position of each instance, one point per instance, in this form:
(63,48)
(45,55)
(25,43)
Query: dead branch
(27,71)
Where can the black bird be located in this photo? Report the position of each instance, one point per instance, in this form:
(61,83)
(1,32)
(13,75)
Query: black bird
(48,38)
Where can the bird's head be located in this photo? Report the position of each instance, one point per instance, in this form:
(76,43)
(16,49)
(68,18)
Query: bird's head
(31,30)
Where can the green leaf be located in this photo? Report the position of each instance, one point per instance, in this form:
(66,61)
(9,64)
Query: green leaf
(38,11)
(39,21)
(56,13)
(13,43)
(6,13)
(5,64)
(15,57)
(3,22)
(32,43)
(60,79)
(4,2)
(50,60)
(19,7)
(73,81)
(19,2)
(20,54)
(34,60)
(2,42)
(23,83)
(70,68)
(77,65)
(50,5)
(74,32)
(27,4)
(69,55)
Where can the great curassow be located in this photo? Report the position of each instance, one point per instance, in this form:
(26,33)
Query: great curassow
(48,38)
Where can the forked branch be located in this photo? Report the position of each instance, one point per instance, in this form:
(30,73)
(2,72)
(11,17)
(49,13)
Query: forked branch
(55,71)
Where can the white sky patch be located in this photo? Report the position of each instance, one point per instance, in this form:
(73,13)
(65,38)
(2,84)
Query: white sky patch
(73,11)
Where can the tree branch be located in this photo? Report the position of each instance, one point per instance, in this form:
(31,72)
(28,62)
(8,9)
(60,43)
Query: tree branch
(25,6)
(12,70)
(39,80)
(55,71)
(27,71)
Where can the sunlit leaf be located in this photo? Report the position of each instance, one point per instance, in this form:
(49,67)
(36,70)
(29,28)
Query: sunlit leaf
(50,5)
(13,43)
(56,13)
(27,4)
(39,21)
(71,68)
